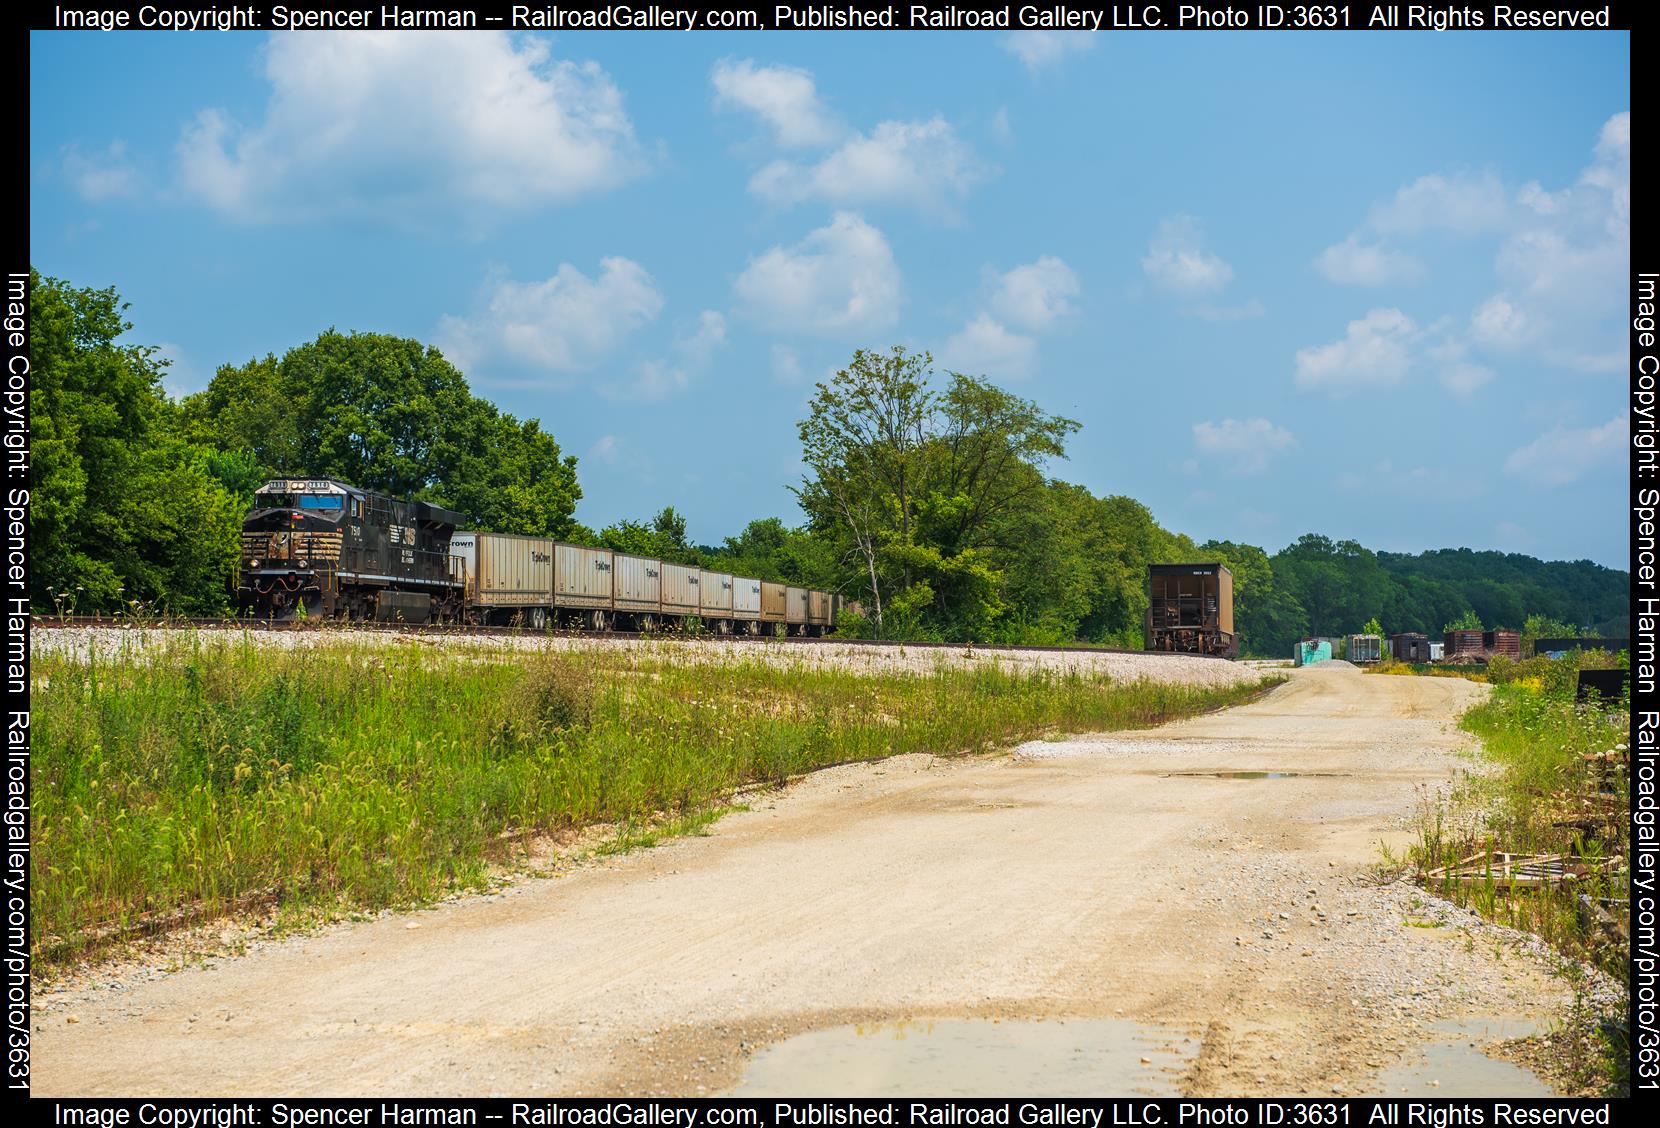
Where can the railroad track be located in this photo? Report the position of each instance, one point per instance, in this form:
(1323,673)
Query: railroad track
(455,629)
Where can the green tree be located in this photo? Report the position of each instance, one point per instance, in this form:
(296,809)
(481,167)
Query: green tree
(1468,621)
(1338,583)
(862,443)
(1543,626)
(1267,617)
(767,549)
(123,507)
(390,414)
(510,476)
(664,537)
(926,491)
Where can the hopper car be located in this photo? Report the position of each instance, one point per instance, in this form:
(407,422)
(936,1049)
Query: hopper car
(1190,609)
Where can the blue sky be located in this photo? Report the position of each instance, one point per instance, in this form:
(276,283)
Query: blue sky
(1370,285)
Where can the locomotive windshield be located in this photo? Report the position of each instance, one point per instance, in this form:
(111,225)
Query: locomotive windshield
(298,501)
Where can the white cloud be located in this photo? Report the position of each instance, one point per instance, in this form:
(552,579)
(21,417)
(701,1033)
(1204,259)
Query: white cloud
(1245,446)
(658,379)
(783,97)
(1036,295)
(1040,49)
(101,176)
(653,380)
(1566,454)
(605,450)
(383,124)
(922,163)
(1562,261)
(1366,264)
(840,279)
(1565,268)
(1465,379)
(1376,352)
(700,344)
(1499,323)
(786,365)
(1176,260)
(564,324)
(984,347)
(1464,203)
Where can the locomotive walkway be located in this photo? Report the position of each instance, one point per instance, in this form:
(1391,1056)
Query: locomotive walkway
(1214,877)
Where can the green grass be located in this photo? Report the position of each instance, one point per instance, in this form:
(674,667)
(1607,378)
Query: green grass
(176,783)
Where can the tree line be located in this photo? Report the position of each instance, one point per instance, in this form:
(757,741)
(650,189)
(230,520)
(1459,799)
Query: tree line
(929,500)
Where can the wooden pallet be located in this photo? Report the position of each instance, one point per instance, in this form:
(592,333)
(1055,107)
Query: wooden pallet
(1522,871)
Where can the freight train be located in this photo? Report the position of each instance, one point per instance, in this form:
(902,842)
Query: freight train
(319,547)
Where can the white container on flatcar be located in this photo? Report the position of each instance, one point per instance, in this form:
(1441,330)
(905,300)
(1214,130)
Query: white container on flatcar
(774,599)
(505,570)
(639,583)
(746,598)
(582,576)
(715,594)
(681,584)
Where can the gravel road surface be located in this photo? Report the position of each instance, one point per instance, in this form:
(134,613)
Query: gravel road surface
(1093,877)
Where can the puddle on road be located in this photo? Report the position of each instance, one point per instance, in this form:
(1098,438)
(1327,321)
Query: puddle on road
(1461,1067)
(1255,775)
(974,1058)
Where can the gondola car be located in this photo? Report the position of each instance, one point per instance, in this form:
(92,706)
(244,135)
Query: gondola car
(319,547)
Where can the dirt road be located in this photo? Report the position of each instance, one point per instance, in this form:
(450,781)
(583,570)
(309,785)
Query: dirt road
(1093,877)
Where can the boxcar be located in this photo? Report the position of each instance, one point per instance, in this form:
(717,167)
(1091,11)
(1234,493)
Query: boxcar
(1464,646)
(1190,609)
(1365,649)
(1410,646)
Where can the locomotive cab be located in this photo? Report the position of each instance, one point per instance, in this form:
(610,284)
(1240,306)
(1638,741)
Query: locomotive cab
(321,547)
(291,544)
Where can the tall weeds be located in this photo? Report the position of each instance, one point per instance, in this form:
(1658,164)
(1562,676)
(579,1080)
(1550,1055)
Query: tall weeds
(191,779)
(1556,783)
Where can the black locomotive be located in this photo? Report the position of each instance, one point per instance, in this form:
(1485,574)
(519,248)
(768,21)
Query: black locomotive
(315,546)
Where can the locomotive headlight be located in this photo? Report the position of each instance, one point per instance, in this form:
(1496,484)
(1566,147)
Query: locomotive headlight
(305,563)
(254,563)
